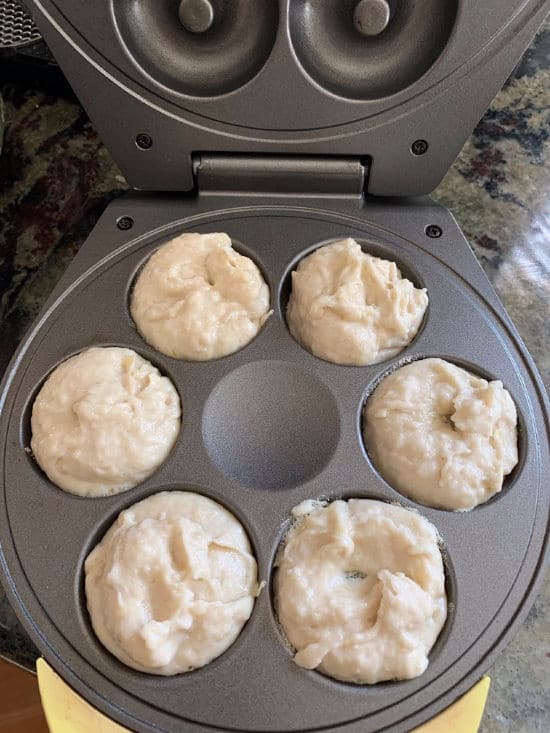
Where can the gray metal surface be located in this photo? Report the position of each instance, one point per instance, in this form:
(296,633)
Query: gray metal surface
(262,430)
(279,174)
(290,77)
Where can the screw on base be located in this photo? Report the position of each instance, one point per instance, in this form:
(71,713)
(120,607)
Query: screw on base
(144,141)
(125,223)
(433,231)
(419,147)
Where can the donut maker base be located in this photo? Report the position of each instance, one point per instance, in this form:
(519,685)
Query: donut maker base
(264,429)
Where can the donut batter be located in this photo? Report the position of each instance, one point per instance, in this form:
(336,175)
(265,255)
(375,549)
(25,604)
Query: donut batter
(349,307)
(198,299)
(171,584)
(103,421)
(441,435)
(360,590)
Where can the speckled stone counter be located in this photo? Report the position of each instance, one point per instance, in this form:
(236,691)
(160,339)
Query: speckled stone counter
(56,178)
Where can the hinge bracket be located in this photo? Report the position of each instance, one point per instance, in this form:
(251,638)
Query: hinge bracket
(280,175)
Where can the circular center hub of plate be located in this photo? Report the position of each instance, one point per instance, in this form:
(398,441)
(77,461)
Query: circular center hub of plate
(270,425)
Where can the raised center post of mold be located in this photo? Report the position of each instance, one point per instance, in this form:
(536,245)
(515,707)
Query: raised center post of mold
(371,17)
(196,16)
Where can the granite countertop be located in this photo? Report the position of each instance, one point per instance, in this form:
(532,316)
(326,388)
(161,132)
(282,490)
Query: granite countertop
(56,178)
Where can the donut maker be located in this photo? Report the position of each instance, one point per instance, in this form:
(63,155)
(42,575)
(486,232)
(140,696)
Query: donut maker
(287,125)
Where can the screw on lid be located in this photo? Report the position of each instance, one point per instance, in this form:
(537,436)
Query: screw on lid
(196,16)
(124,223)
(434,231)
(371,17)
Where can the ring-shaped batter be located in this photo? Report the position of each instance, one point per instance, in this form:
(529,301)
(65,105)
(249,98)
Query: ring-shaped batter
(360,590)
(104,421)
(442,435)
(199,299)
(349,307)
(171,584)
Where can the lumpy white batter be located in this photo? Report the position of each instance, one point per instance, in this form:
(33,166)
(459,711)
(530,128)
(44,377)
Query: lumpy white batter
(171,584)
(349,307)
(441,435)
(360,590)
(104,420)
(198,299)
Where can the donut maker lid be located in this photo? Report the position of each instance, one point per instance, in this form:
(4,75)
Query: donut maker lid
(395,85)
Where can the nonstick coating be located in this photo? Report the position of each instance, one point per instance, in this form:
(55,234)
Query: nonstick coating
(264,429)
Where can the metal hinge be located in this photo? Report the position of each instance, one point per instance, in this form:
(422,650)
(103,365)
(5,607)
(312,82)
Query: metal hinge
(280,175)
